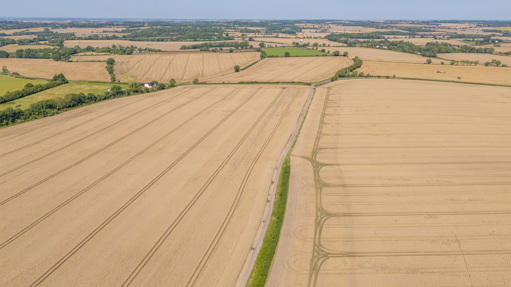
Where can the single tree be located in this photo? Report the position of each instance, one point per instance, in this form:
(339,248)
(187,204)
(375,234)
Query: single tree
(428,61)
(195,81)
(236,68)
(345,54)
(337,53)
(287,54)
(172,83)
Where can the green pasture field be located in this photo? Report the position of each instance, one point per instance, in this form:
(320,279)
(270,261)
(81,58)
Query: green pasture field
(8,83)
(59,92)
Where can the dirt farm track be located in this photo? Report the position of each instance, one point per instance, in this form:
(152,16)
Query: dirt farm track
(110,193)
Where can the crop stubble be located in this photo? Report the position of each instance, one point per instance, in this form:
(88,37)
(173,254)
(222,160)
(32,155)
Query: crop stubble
(148,190)
(292,69)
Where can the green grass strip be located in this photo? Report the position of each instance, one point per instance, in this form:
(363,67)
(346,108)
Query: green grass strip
(264,259)
(250,65)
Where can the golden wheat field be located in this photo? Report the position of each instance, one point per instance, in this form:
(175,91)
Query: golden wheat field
(164,46)
(84,32)
(13,47)
(382,55)
(289,41)
(423,41)
(475,74)
(164,189)
(482,58)
(293,69)
(399,183)
(179,66)
(46,68)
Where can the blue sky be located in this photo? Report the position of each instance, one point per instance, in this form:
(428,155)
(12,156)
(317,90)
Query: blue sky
(261,9)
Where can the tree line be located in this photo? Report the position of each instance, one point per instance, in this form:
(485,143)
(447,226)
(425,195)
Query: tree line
(65,53)
(349,71)
(431,49)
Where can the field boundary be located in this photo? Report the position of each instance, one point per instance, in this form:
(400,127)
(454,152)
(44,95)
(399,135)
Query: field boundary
(257,265)
(250,65)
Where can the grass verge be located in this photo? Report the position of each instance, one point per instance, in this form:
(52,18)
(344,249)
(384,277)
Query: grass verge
(264,259)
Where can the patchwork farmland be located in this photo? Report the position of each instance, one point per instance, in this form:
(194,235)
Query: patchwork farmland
(183,67)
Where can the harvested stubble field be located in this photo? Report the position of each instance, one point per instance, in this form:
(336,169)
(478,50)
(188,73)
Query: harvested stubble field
(19,37)
(482,58)
(292,69)
(504,47)
(400,183)
(84,32)
(164,46)
(162,189)
(424,41)
(383,55)
(12,48)
(46,68)
(289,41)
(182,67)
(472,74)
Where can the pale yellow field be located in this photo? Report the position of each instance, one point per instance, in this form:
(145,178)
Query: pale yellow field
(164,46)
(383,55)
(399,183)
(293,69)
(45,69)
(504,47)
(474,74)
(12,31)
(160,189)
(482,58)
(424,41)
(12,48)
(289,41)
(84,32)
(19,37)
(183,67)
(337,28)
